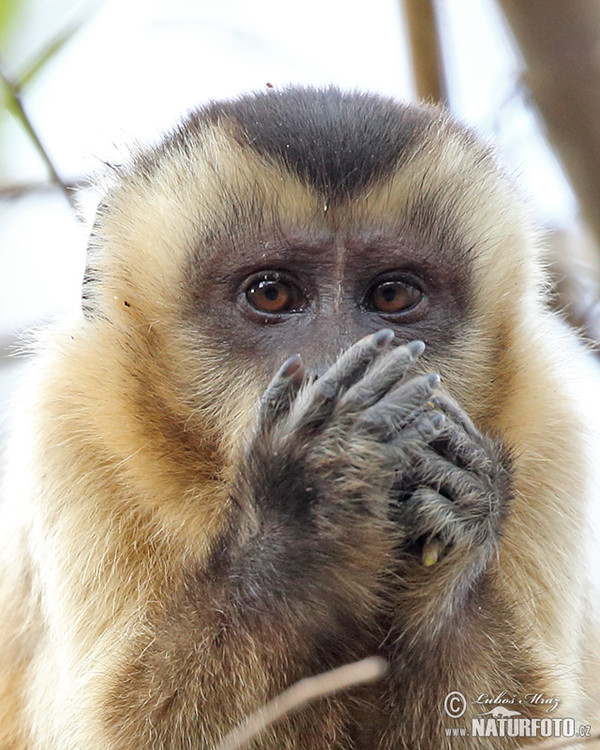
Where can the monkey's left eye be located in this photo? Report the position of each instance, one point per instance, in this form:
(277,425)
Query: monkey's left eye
(393,296)
(273,295)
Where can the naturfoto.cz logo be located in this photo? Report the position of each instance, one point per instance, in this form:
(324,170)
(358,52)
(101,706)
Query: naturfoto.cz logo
(501,721)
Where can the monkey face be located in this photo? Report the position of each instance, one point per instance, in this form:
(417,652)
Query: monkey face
(251,234)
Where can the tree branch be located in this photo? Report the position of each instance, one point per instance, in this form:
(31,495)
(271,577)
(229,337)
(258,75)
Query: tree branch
(301,693)
(14,91)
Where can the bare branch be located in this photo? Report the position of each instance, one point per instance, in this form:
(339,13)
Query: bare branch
(22,189)
(301,693)
(14,91)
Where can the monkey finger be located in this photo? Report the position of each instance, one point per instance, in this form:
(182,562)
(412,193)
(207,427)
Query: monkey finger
(353,363)
(399,455)
(349,366)
(457,484)
(281,391)
(442,402)
(458,446)
(390,415)
(421,431)
(428,514)
(383,376)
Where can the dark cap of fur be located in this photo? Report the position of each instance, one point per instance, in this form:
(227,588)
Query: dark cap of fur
(337,142)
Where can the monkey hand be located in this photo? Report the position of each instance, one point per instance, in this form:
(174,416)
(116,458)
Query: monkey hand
(317,475)
(340,434)
(451,501)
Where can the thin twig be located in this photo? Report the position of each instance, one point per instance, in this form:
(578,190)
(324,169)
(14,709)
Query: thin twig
(21,189)
(557,744)
(301,693)
(14,91)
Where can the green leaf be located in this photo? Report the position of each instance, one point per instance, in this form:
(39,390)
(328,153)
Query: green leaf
(8,12)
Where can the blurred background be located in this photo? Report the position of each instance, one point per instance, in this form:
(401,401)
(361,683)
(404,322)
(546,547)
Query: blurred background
(82,79)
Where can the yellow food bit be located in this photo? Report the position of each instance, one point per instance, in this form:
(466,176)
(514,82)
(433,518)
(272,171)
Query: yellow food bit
(431,553)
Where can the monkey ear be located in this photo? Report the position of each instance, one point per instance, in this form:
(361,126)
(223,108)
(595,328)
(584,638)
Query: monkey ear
(92,276)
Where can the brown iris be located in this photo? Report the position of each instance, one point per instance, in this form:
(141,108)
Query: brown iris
(394,296)
(271,296)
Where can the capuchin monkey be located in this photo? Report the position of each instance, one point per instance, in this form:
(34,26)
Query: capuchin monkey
(314,409)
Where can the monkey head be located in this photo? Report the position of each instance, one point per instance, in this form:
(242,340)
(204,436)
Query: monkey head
(296,222)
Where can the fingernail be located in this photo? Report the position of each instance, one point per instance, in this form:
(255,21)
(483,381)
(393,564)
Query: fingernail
(416,348)
(433,380)
(383,337)
(290,366)
(437,420)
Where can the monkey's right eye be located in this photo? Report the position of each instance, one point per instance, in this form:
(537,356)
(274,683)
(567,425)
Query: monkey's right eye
(273,295)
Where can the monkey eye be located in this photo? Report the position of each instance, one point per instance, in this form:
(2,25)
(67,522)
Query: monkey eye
(272,294)
(393,296)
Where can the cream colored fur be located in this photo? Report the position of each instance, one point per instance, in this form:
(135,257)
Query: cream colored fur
(106,505)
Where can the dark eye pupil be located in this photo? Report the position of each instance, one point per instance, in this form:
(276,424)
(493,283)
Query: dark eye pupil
(270,291)
(388,293)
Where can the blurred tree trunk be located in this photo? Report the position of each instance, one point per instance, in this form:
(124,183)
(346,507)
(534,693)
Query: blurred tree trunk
(426,50)
(560,43)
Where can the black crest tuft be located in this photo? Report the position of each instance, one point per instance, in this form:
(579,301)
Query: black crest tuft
(338,142)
